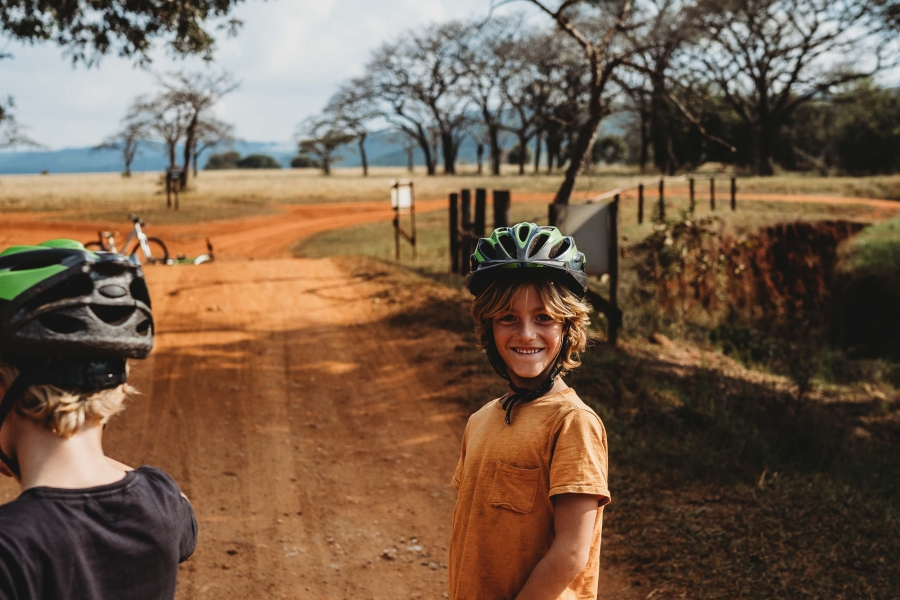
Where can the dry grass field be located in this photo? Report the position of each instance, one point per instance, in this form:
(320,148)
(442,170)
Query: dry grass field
(233,194)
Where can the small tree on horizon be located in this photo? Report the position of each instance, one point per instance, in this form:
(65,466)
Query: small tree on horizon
(321,138)
(127,141)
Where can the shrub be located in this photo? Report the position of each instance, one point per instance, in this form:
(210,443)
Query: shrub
(258,161)
(305,161)
(225,160)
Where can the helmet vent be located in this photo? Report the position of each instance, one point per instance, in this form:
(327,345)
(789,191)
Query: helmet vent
(75,287)
(113,315)
(109,269)
(561,247)
(143,328)
(537,243)
(523,232)
(509,245)
(58,323)
(139,291)
(487,251)
(37,263)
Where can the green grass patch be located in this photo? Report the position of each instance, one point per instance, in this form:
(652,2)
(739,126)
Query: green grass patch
(876,249)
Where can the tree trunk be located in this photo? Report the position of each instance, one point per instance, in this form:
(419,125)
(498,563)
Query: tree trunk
(479,153)
(537,153)
(326,164)
(196,159)
(362,153)
(494,141)
(409,157)
(760,149)
(645,141)
(171,149)
(190,135)
(449,149)
(523,152)
(582,142)
(659,127)
(426,152)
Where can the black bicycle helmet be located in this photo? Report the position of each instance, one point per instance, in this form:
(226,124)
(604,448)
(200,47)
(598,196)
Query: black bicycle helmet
(70,318)
(526,251)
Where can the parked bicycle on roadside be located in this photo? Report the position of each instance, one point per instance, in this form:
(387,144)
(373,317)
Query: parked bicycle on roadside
(153,249)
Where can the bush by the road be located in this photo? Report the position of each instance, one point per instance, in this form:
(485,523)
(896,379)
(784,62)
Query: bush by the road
(258,161)
(225,160)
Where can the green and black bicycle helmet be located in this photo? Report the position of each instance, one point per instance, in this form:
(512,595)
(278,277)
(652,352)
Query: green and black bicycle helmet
(70,318)
(526,251)
(527,246)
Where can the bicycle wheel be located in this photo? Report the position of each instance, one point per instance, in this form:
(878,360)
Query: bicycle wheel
(95,245)
(159,254)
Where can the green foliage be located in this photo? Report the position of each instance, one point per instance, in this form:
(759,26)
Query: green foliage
(258,161)
(610,150)
(305,161)
(224,160)
(89,30)
(515,154)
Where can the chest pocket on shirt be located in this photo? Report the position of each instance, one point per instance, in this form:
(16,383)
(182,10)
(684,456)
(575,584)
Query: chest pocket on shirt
(514,488)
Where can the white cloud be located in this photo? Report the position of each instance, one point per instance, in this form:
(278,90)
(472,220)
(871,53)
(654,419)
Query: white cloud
(290,56)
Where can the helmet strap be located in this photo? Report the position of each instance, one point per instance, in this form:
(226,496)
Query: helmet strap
(12,395)
(525,395)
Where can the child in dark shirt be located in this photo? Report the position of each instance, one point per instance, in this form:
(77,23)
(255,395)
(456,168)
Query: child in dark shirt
(85,526)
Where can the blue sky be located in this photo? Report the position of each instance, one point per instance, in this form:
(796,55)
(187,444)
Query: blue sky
(289,56)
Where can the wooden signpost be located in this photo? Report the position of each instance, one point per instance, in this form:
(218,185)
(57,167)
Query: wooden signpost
(403,202)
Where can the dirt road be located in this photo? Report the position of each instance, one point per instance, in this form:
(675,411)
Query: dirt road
(315,444)
(271,236)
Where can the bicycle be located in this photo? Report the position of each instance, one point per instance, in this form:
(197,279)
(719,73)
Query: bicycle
(153,249)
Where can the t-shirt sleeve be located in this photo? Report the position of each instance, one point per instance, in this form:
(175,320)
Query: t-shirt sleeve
(580,460)
(188,530)
(458,475)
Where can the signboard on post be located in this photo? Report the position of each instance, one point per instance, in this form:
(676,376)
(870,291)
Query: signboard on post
(589,225)
(403,201)
(402,195)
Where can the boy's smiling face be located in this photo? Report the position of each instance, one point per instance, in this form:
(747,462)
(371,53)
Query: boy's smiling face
(527,338)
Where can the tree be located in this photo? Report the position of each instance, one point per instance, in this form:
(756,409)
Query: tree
(211,133)
(351,108)
(88,30)
(602,60)
(321,138)
(163,118)
(419,79)
(768,57)
(194,94)
(11,133)
(487,73)
(127,141)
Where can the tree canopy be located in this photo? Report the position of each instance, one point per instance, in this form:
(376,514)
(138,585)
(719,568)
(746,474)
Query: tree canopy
(91,29)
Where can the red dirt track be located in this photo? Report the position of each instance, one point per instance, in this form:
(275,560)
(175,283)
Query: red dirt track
(316,445)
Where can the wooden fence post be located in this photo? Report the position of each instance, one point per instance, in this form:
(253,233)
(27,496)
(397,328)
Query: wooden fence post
(465,198)
(712,193)
(454,233)
(480,201)
(613,334)
(693,200)
(733,193)
(662,201)
(501,208)
(640,203)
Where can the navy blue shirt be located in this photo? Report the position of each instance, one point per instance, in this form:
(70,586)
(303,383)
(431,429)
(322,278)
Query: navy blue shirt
(118,541)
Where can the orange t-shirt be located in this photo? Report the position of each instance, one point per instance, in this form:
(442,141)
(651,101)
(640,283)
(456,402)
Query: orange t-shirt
(506,478)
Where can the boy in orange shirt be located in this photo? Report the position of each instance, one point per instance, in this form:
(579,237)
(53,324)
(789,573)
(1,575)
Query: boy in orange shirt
(532,475)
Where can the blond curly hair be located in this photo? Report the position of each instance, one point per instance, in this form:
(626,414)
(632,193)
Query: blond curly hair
(65,412)
(559,302)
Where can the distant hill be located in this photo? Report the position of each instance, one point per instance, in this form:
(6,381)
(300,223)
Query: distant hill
(381,147)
